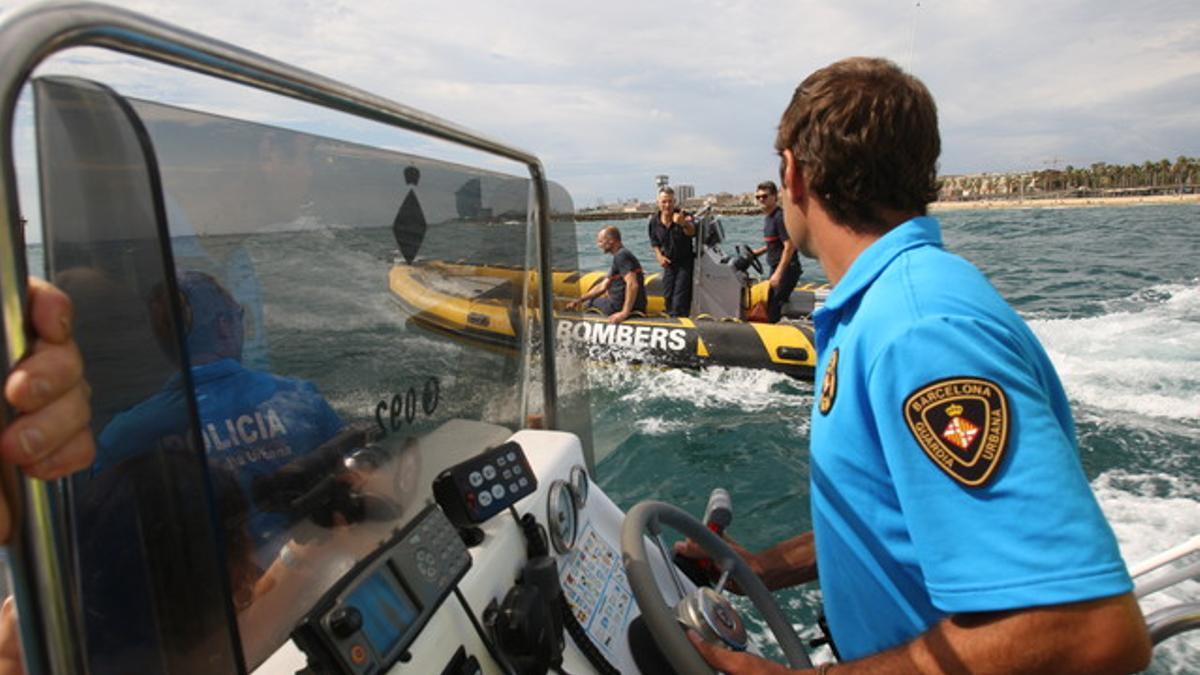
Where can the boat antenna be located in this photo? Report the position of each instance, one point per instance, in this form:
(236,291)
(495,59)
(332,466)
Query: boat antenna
(912,36)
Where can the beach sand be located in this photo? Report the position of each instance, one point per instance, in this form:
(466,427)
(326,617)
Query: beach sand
(1049,203)
(1071,202)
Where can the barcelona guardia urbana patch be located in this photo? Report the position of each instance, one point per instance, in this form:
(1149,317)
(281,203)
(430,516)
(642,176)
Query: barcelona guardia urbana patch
(962,425)
(829,384)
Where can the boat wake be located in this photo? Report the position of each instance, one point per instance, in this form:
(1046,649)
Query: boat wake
(1133,376)
(740,389)
(1141,357)
(1148,512)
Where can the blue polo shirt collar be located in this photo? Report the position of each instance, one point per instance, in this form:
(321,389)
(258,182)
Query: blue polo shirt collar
(919,231)
(215,370)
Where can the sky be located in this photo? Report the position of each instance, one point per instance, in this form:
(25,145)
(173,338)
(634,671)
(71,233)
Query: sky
(610,94)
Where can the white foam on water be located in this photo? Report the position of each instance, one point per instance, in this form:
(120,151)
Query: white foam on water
(1141,357)
(721,388)
(658,426)
(1151,513)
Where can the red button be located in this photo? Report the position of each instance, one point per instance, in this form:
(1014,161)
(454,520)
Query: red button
(358,654)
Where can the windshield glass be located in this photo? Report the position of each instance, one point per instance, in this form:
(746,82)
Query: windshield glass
(320,328)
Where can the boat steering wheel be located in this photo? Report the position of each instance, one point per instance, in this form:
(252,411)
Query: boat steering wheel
(747,253)
(706,609)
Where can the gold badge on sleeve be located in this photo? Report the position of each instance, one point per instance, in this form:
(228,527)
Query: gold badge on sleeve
(962,425)
(829,384)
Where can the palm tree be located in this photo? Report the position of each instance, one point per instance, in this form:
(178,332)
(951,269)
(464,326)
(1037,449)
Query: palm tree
(1164,172)
(1147,173)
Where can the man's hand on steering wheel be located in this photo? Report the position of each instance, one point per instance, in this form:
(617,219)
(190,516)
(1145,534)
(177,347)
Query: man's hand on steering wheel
(690,549)
(703,609)
(736,663)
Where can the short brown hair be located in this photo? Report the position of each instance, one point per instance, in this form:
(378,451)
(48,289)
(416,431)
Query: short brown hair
(865,133)
(769,186)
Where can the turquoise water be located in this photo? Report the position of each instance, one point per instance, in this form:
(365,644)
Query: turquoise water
(1114,295)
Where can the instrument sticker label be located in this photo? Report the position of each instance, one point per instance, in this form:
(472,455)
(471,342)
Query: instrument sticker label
(594,582)
(962,425)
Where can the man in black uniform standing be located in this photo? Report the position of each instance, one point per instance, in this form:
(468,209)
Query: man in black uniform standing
(781,252)
(671,232)
(624,291)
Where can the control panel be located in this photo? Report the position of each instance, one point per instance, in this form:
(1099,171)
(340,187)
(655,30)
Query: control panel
(366,625)
(479,488)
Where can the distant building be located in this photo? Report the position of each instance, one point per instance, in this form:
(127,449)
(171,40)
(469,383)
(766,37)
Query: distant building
(661,181)
(684,192)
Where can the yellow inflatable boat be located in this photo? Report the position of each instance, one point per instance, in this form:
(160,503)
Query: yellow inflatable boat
(572,284)
(479,304)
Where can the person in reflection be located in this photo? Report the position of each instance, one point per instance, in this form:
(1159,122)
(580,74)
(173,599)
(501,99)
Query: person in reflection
(672,234)
(954,529)
(50,437)
(623,292)
(781,252)
(256,424)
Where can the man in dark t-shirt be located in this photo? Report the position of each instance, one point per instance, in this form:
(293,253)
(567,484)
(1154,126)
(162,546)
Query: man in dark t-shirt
(623,292)
(781,253)
(672,238)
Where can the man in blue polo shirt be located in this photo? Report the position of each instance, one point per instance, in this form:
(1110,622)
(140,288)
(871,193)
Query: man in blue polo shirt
(953,527)
(623,291)
(251,422)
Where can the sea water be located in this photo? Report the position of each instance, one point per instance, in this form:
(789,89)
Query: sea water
(1112,292)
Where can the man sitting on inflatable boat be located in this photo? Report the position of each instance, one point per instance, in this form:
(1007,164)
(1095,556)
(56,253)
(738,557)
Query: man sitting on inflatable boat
(624,291)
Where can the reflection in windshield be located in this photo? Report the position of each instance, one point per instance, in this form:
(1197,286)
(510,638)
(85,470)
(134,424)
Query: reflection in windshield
(288,478)
(252,423)
(315,409)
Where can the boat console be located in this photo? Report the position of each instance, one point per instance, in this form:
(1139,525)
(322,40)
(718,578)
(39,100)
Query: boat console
(426,601)
(369,624)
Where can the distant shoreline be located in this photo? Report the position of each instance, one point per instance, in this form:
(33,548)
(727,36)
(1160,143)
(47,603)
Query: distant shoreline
(1051,203)
(1064,202)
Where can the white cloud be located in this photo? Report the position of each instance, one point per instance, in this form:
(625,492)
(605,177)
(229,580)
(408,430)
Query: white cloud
(610,94)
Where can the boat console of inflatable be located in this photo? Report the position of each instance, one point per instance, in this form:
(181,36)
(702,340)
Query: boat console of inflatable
(429,602)
(516,564)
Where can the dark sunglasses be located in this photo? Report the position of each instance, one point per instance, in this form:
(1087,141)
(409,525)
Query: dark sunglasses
(762,196)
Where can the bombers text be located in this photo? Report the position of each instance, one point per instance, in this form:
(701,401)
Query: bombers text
(622,335)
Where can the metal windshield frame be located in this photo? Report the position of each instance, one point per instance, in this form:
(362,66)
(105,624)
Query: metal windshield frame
(30,36)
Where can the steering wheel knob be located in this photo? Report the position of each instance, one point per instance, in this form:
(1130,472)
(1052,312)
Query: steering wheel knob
(712,616)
